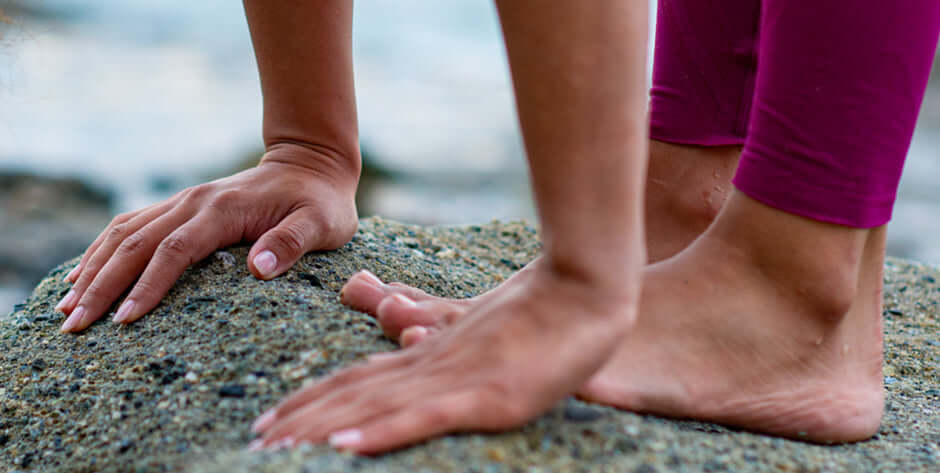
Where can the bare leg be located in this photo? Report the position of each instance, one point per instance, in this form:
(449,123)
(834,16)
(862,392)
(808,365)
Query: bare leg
(770,322)
(685,189)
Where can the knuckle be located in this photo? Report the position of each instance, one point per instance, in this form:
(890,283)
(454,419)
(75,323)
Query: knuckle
(175,246)
(133,243)
(119,231)
(93,293)
(196,193)
(228,199)
(290,237)
(87,276)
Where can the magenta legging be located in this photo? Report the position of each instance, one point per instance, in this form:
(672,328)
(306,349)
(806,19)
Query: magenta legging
(822,94)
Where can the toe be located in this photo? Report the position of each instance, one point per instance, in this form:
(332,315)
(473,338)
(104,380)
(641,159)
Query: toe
(398,312)
(416,294)
(415,334)
(365,291)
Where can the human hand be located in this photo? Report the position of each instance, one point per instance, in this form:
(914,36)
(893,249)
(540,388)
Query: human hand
(501,364)
(296,200)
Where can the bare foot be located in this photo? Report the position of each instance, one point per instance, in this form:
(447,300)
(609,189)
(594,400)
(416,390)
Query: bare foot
(686,187)
(768,322)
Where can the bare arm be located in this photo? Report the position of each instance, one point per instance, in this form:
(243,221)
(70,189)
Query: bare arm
(304,53)
(579,73)
(301,197)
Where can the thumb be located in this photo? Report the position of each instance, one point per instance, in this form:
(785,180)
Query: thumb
(280,247)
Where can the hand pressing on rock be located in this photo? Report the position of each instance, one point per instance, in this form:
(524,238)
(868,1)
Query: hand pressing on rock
(296,200)
(504,362)
(301,197)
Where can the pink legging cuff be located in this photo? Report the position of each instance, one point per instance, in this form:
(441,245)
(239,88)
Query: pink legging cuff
(823,95)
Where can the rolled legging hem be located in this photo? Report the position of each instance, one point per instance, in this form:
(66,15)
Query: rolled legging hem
(802,198)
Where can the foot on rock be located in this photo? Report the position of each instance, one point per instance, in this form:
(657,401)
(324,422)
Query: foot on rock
(769,322)
(686,187)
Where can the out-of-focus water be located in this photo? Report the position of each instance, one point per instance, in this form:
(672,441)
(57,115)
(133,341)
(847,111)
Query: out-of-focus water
(131,93)
(124,91)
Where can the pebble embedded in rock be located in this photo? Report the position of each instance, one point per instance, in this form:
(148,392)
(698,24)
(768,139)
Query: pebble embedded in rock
(232,390)
(226,258)
(575,413)
(311,278)
(125,445)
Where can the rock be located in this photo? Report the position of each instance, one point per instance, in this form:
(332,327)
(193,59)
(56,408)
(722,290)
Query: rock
(44,221)
(576,413)
(121,399)
(232,390)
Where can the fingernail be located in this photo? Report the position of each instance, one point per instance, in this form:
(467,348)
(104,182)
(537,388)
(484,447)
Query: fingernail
(371,278)
(404,300)
(264,421)
(74,319)
(124,312)
(66,301)
(346,438)
(266,263)
(255,445)
(68,277)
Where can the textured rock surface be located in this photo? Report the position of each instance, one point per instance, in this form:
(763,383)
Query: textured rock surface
(177,391)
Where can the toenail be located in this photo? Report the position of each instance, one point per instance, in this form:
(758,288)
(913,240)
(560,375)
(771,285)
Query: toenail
(404,300)
(370,278)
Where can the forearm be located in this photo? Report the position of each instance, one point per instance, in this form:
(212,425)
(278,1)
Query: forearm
(304,54)
(579,71)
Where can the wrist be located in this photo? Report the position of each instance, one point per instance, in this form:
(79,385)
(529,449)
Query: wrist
(339,167)
(617,271)
(611,299)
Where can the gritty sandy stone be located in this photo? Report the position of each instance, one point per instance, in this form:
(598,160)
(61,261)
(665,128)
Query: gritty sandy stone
(177,391)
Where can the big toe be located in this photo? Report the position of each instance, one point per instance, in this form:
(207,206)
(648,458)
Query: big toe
(365,291)
(398,312)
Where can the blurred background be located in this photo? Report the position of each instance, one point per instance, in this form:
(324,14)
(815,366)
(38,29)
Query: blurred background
(110,105)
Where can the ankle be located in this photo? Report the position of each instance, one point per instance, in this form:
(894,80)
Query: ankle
(690,182)
(686,187)
(811,263)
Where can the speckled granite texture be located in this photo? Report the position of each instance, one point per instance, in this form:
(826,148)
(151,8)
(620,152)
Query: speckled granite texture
(178,390)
